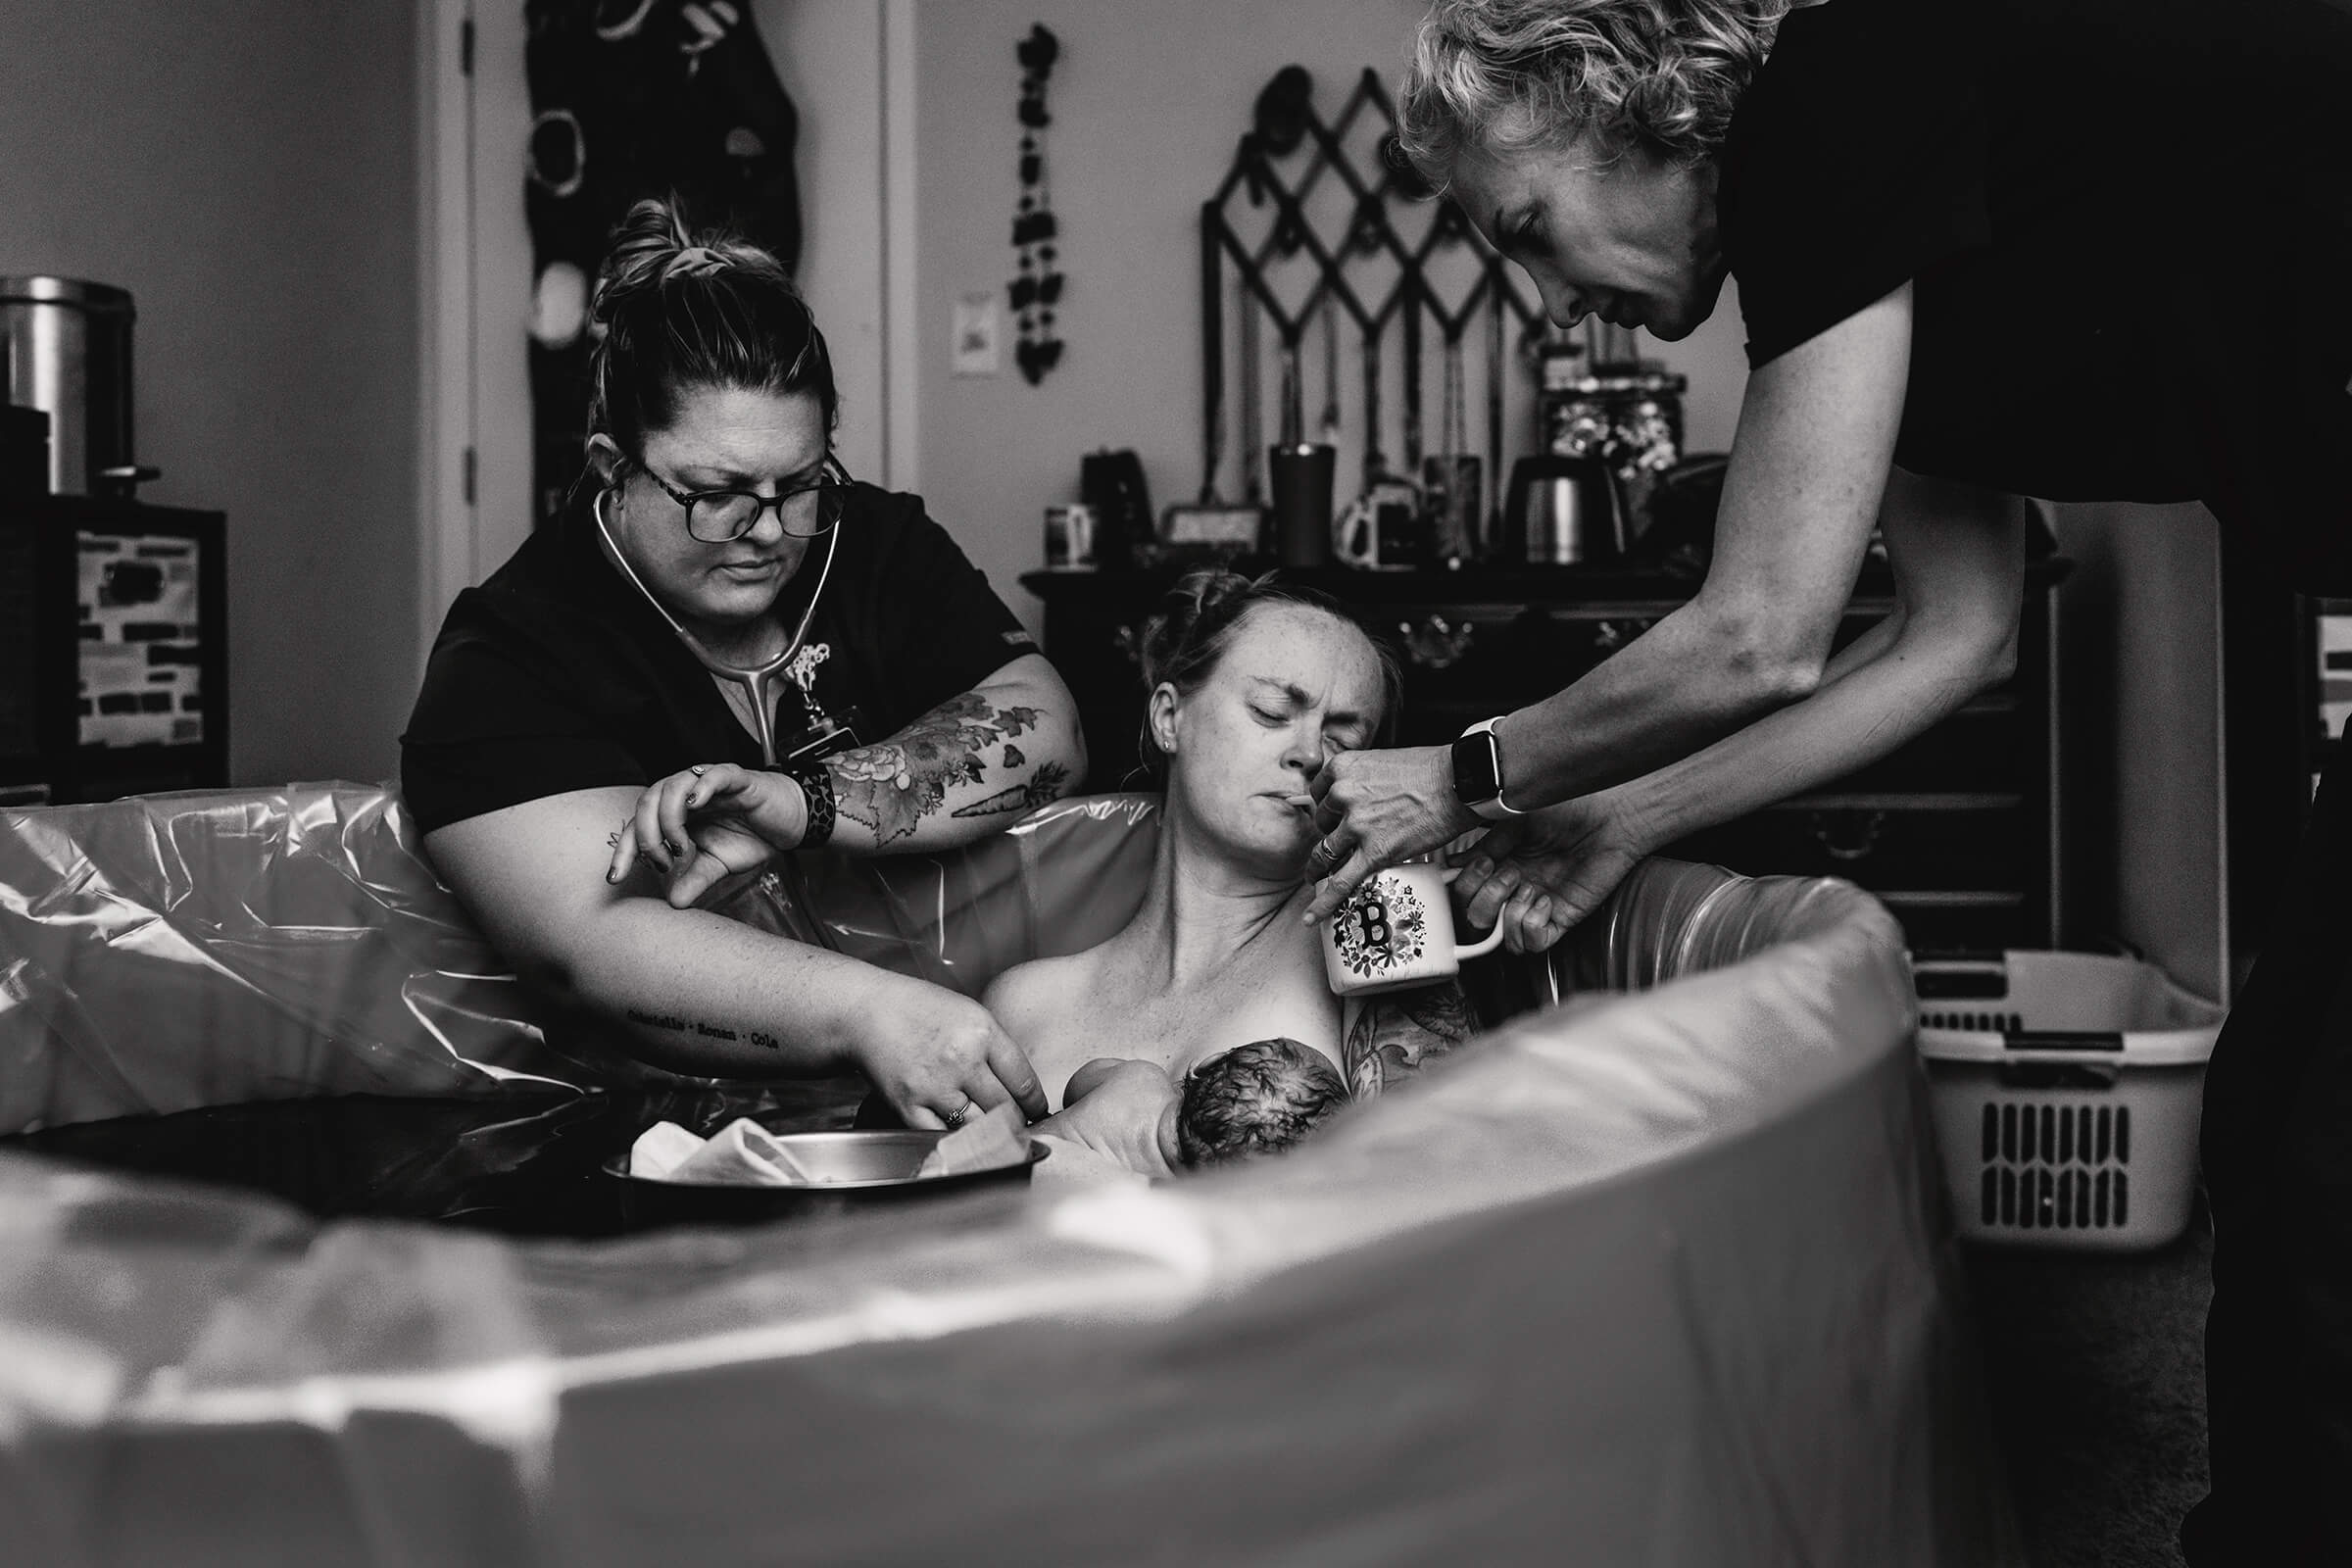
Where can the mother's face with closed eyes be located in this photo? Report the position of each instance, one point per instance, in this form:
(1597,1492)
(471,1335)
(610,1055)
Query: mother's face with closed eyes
(1295,685)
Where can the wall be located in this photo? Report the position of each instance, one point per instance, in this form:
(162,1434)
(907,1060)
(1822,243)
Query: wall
(247,171)
(1148,100)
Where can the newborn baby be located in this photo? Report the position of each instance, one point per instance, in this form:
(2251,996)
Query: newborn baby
(1257,1099)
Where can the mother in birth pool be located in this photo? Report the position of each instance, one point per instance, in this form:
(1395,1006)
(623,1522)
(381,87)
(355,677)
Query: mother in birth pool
(725,651)
(1214,1023)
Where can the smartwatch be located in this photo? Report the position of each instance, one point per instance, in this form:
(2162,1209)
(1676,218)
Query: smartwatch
(1478,772)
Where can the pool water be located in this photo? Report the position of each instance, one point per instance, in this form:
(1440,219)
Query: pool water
(517,1166)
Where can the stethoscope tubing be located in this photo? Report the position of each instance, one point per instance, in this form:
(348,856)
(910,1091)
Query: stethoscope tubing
(758,683)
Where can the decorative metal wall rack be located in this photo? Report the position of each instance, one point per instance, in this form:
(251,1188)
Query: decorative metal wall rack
(1319,223)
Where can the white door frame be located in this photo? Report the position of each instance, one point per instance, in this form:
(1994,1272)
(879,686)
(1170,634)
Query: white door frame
(474,459)
(445,255)
(901,331)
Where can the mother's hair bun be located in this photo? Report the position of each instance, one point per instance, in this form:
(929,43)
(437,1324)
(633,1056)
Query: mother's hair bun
(675,309)
(1195,624)
(1201,605)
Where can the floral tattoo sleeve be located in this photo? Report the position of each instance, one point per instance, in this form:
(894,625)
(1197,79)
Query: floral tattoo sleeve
(892,786)
(1392,1035)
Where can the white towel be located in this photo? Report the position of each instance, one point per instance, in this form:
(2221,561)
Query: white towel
(742,1154)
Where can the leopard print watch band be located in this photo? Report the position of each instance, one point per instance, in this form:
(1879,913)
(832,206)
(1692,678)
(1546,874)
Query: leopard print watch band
(817,786)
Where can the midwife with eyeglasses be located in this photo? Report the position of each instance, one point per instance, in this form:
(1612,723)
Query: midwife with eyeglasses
(725,651)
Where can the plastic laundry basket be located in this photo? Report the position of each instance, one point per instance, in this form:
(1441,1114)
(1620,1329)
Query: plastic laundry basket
(2066,1088)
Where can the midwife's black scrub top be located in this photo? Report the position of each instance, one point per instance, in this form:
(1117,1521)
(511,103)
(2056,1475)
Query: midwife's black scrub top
(557,675)
(2128,227)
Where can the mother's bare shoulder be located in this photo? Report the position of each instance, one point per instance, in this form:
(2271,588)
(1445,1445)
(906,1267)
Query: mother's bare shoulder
(1031,998)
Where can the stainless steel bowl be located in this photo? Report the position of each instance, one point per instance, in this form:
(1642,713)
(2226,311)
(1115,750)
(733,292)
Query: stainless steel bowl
(853,1168)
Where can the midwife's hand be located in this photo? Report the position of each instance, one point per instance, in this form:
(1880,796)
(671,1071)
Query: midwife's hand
(1375,808)
(1541,873)
(707,823)
(934,1054)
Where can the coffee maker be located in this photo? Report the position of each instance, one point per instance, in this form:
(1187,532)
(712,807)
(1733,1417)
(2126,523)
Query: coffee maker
(68,349)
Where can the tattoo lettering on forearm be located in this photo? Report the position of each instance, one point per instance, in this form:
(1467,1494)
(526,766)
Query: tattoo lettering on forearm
(1043,789)
(1398,1033)
(683,1026)
(890,787)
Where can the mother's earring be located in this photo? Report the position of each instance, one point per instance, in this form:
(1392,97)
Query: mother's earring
(1163,735)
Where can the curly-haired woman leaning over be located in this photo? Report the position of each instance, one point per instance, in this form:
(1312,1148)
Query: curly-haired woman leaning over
(2073,249)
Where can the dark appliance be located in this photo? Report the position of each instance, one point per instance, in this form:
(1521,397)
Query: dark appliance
(1563,511)
(23,453)
(1112,483)
(69,355)
(114,638)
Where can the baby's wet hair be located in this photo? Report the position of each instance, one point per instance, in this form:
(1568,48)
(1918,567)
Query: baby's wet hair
(675,309)
(1196,622)
(1258,1099)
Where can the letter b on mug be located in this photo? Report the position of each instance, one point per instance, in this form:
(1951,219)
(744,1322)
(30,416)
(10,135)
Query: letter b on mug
(1396,932)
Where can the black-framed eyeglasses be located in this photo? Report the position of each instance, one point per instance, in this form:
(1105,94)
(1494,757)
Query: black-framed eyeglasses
(804,512)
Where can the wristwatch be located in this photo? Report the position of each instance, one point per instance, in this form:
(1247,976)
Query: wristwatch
(1478,772)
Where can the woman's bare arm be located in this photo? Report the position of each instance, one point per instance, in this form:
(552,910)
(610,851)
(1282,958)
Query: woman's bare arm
(1808,466)
(958,774)
(1815,443)
(1958,555)
(964,770)
(696,992)
(1958,558)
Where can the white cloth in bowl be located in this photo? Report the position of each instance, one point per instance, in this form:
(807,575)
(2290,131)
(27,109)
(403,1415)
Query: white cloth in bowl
(742,1154)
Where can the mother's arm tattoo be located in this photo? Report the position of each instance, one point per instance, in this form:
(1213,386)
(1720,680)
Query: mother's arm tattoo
(892,785)
(1394,1035)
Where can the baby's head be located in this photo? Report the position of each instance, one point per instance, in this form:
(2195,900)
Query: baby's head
(1258,1099)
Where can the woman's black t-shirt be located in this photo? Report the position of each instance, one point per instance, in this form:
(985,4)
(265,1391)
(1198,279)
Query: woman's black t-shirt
(557,675)
(2127,225)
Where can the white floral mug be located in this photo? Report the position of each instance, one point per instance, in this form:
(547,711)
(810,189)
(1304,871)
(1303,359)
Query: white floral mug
(1396,931)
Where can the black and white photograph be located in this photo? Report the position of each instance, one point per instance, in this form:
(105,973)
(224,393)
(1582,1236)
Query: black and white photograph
(1225,782)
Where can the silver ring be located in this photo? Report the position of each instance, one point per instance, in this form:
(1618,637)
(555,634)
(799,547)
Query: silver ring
(955,1119)
(696,769)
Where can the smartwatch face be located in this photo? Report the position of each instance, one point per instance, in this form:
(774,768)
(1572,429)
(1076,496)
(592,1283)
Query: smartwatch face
(1477,767)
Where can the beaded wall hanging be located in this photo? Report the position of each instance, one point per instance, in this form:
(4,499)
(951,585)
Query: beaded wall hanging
(1037,291)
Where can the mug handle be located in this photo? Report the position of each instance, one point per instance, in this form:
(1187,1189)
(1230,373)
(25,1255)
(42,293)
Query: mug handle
(1484,945)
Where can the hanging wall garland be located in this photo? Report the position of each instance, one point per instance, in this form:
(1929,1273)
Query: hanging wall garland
(1038,289)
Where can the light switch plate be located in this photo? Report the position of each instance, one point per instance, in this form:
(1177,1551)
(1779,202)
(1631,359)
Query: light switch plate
(978,331)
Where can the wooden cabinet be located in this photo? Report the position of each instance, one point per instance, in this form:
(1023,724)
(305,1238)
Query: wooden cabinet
(1957,831)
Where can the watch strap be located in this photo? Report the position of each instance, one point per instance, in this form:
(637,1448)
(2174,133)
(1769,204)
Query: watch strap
(1493,808)
(816,787)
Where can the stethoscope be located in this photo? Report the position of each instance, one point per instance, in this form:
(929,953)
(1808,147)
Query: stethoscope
(758,683)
